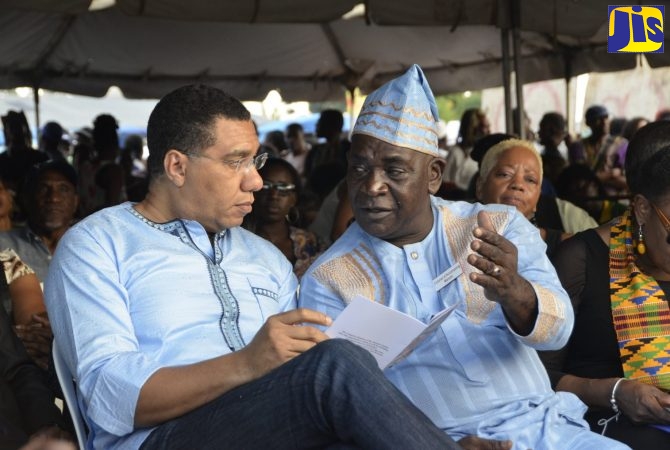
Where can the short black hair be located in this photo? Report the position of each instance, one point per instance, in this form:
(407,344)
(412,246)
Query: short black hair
(16,129)
(105,135)
(595,112)
(293,129)
(331,121)
(648,141)
(271,163)
(183,119)
(554,120)
(276,139)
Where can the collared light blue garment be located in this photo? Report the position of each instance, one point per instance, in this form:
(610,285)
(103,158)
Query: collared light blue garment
(127,297)
(475,373)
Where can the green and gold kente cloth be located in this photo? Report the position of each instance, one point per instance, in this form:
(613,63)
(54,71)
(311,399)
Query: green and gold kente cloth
(640,312)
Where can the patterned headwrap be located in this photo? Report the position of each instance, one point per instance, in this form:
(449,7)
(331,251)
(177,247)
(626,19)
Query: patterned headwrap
(402,112)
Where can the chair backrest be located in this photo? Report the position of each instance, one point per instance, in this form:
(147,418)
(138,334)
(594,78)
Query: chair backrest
(66,381)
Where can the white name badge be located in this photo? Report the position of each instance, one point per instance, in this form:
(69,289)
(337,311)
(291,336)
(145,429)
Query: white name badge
(447,276)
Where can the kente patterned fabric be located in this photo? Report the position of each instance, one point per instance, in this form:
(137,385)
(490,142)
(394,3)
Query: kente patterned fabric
(640,312)
(402,112)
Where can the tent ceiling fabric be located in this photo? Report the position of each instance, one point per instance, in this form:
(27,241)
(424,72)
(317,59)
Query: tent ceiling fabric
(249,11)
(295,11)
(569,17)
(54,6)
(580,18)
(149,47)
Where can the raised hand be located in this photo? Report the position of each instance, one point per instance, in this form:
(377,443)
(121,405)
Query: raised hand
(497,259)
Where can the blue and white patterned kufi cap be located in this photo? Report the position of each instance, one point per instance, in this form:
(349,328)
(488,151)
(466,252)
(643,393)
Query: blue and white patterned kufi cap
(402,112)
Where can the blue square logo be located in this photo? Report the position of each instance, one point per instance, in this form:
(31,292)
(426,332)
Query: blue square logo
(635,29)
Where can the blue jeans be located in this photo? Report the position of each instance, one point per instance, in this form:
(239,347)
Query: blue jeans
(333,396)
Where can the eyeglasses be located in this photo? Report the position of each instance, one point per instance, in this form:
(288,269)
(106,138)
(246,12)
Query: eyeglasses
(281,188)
(257,161)
(664,221)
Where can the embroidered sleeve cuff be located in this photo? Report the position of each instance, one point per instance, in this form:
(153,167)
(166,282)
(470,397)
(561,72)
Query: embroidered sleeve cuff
(550,331)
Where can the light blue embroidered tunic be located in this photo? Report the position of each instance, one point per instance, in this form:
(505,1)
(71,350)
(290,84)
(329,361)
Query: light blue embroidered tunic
(475,375)
(127,296)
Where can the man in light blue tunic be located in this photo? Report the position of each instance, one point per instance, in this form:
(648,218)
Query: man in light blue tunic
(478,374)
(170,315)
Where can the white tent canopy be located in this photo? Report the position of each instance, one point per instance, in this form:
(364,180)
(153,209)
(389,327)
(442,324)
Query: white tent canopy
(149,47)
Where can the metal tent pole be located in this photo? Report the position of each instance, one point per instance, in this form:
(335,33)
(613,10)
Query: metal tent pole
(36,101)
(504,41)
(518,79)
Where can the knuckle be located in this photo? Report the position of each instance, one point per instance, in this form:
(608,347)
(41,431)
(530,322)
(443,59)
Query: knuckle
(308,333)
(272,320)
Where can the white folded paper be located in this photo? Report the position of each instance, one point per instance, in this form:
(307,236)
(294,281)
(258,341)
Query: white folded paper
(388,334)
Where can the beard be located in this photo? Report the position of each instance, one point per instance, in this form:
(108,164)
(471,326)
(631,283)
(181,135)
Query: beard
(55,223)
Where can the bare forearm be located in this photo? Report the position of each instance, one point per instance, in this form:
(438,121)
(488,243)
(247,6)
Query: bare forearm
(521,311)
(173,391)
(592,391)
(26,298)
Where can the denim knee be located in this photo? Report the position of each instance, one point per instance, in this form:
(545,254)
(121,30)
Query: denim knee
(340,357)
(339,350)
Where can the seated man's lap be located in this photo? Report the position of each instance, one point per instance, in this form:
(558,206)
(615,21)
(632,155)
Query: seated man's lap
(274,405)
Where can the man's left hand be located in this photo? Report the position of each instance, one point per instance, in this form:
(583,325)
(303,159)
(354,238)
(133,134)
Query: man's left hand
(497,259)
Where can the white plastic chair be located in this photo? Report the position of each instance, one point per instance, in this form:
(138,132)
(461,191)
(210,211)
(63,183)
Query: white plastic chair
(66,381)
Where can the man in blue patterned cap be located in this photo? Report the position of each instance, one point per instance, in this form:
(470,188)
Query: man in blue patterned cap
(180,325)
(478,377)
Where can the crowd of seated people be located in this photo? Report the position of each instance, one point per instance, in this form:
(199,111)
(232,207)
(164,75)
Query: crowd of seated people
(39,201)
(583,197)
(44,191)
(618,279)
(176,273)
(303,206)
(580,197)
(479,373)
